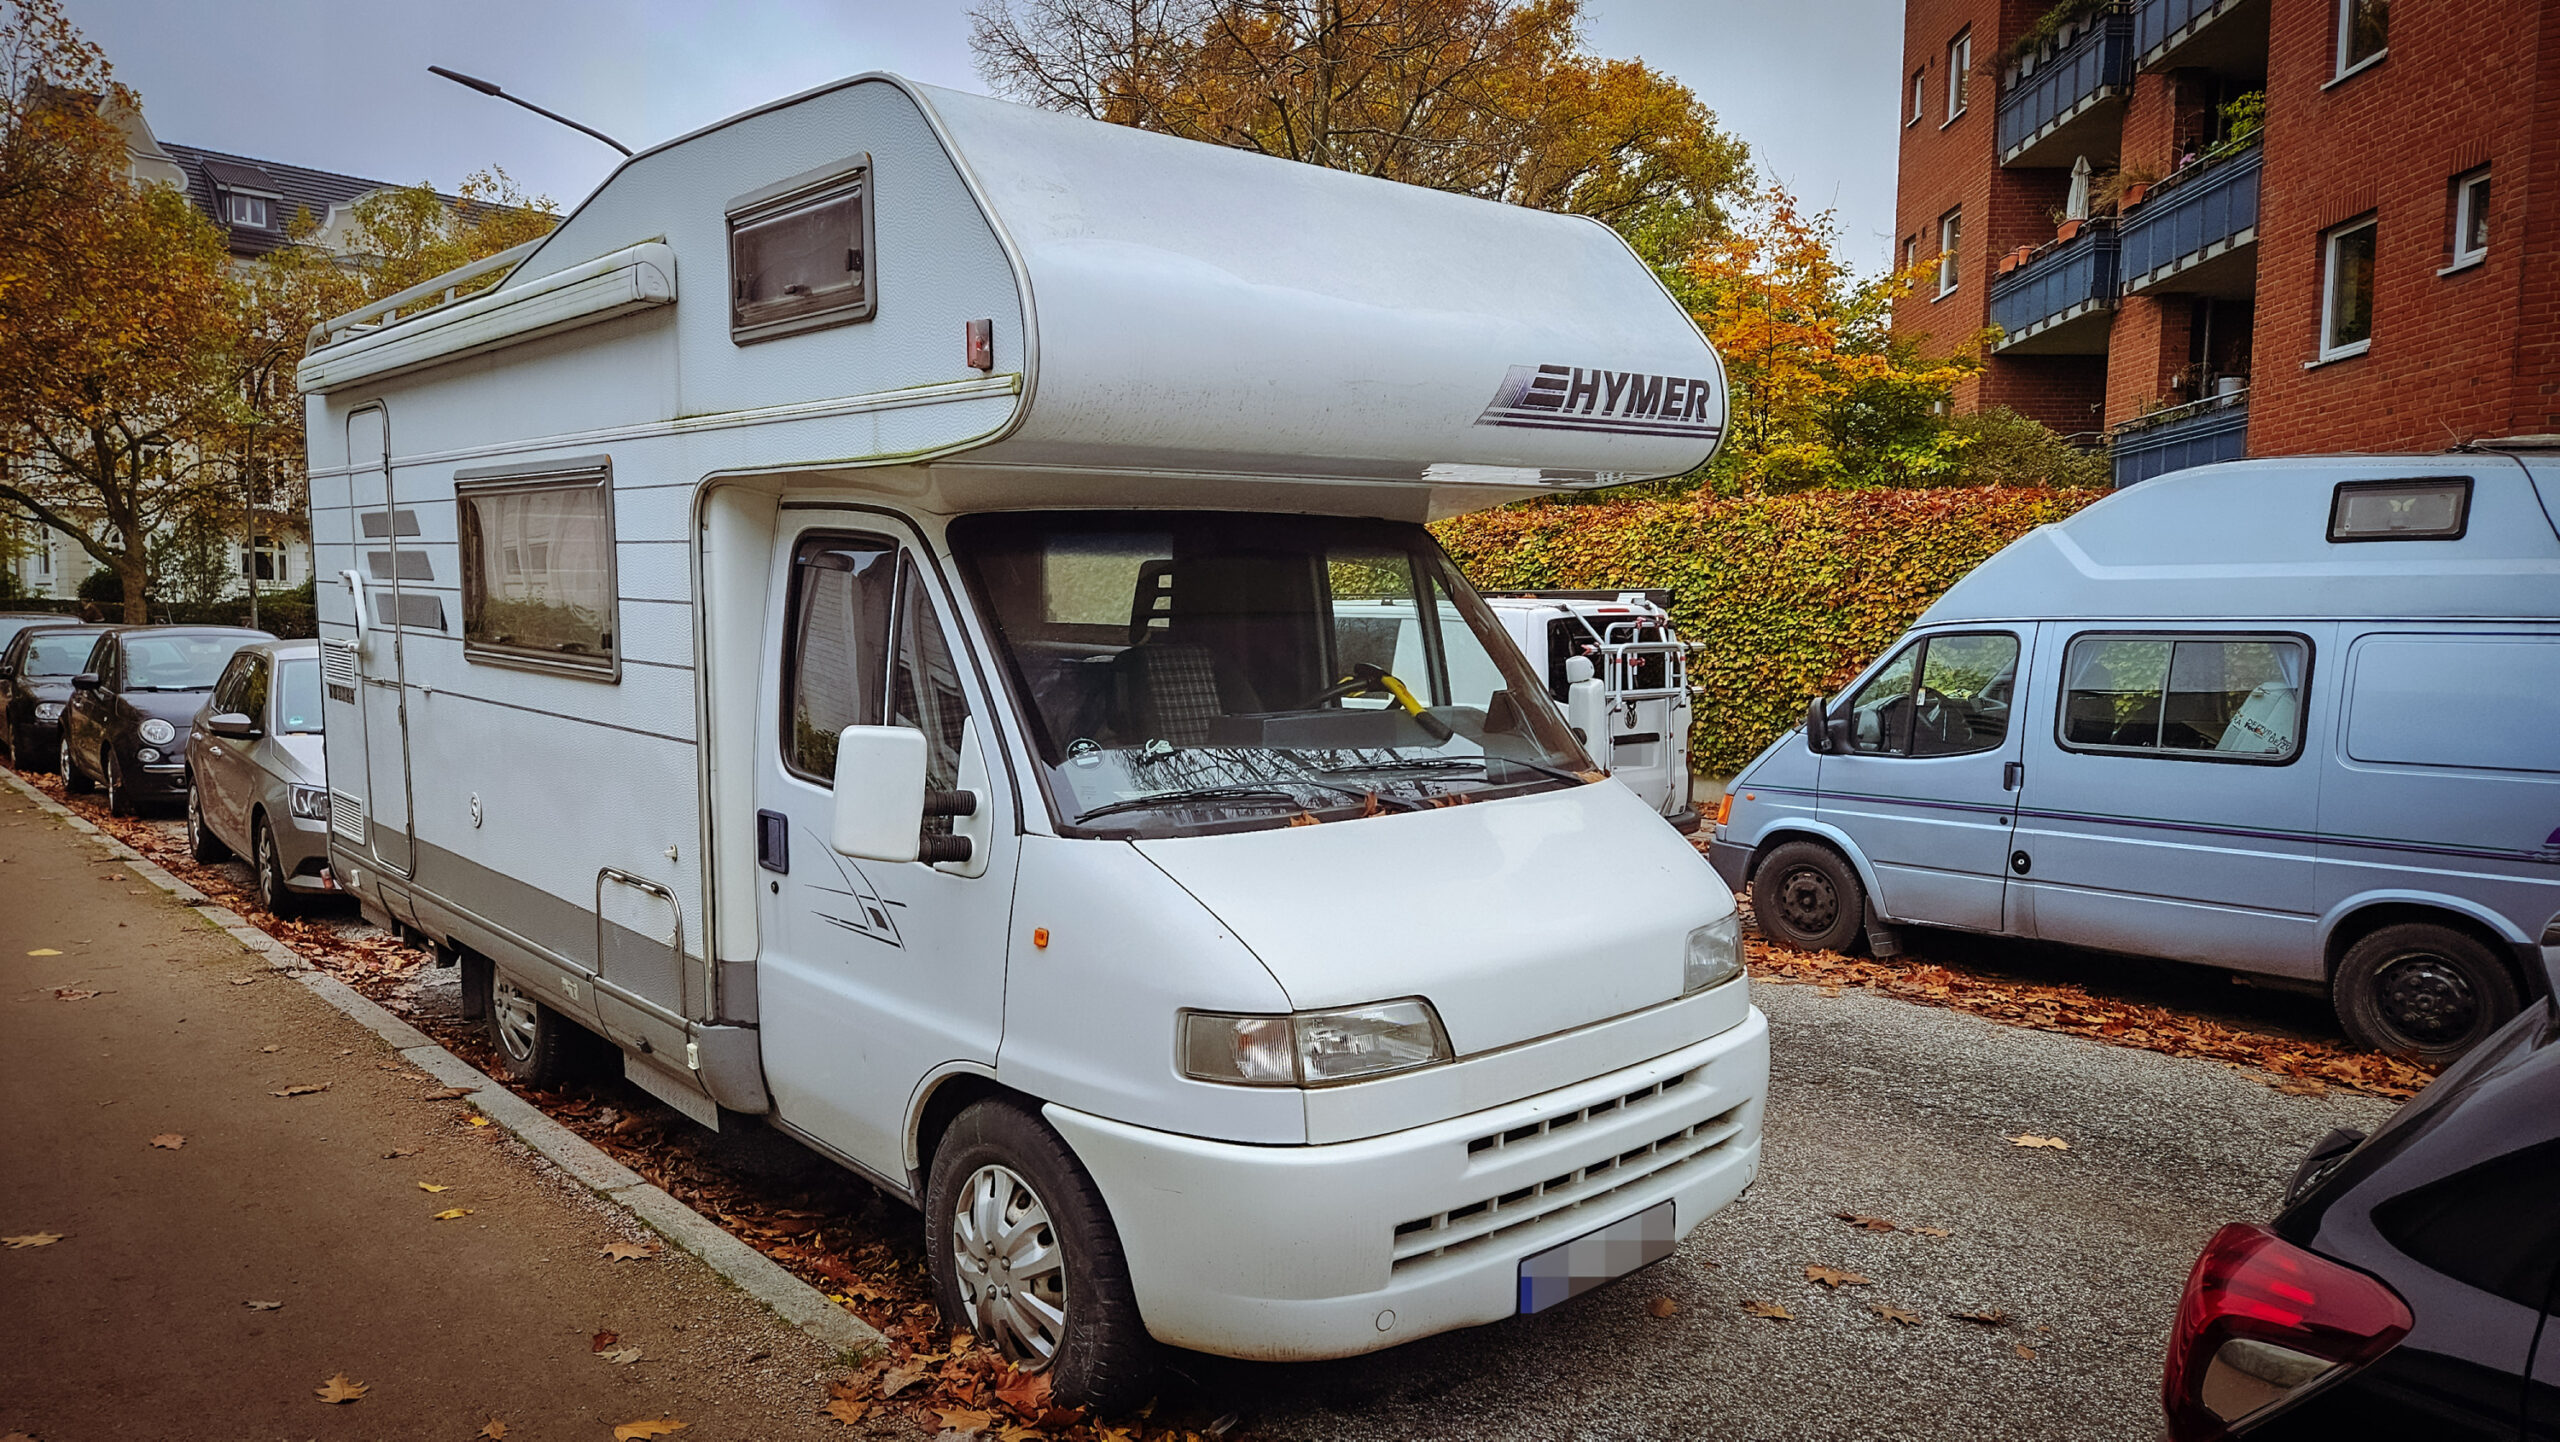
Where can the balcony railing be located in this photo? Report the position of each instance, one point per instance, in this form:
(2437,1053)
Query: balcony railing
(2198,215)
(2065,85)
(2037,304)
(2197,434)
(2163,26)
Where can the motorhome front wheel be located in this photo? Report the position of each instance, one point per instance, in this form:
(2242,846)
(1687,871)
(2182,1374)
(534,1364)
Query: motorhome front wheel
(1024,1256)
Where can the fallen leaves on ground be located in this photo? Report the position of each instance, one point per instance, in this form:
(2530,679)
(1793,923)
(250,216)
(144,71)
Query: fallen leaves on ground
(242,980)
(847,1410)
(74,993)
(2078,1012)
(479,1121)
(258,1306)
(270,1049)
(449,1094)
(340,1388)
(301,1090)
(1929,1231)
(1993,1317)
(493,1429)
(1662,1306)
(2299,1086)
(621,1356)
(452,1214)
(645,1428)
(1833,1277)
(965,1419)
(1770,1310)
(397,1153)
(626,1251)
(2030,1139)
(169,1141)
(2025,1351)
(899,1379)
(602,1340)
(1872,1224)
(433,1187)
(32,1239)
(1892,1313)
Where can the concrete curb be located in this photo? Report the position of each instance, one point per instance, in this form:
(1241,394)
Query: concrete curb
(754,1273)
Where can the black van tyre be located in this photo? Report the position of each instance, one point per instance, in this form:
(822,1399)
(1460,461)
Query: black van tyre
(1806,896)
(205,847)
(536,1045)
(2424,990)
(1102,1357)
(72,780)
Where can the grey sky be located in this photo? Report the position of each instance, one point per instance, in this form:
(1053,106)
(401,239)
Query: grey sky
(342,84)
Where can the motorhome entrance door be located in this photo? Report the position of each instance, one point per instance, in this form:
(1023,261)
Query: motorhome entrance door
(1926,784)
(380,524)
(871,977)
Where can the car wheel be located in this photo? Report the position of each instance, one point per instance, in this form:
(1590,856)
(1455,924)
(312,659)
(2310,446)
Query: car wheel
(119,794)
(280,900)
(1023,1254)
(1806,896)
(2423,990)
(72,780)
(202,844)
(536,1045)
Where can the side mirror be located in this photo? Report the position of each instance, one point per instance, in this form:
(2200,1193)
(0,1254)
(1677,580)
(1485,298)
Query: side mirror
(85,681)
(879,810)
(232,724)
(1817,727)
(1586,707)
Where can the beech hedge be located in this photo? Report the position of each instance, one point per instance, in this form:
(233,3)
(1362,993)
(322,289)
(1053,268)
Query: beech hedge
(1787,596)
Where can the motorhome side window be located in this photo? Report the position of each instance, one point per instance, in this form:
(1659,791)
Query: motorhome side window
(2227,697)
(537,570)
(867,649)
(800,254)
(1940,696)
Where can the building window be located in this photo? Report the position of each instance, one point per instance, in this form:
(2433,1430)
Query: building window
(1950,231)
(1959,73)
(2346,290)
(2364,29)
(1910,254)
(247,211)
(263,560)
(2470,218)
(1919,94)
(537,568)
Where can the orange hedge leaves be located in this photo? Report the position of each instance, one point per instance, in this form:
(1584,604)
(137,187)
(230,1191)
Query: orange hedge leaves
(1788,595)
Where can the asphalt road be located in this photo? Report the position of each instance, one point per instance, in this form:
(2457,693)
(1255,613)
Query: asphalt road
(1881,1108)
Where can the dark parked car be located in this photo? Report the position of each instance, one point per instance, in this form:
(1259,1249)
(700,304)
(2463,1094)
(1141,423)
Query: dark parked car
(131,706)
(36,667)
(2410,1287)
(12,622)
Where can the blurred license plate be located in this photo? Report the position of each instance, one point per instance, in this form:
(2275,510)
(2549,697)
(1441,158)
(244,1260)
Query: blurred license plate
(1569,1270)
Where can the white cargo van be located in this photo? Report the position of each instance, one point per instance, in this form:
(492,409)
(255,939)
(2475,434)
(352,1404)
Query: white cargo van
(1637,719)
(874,616)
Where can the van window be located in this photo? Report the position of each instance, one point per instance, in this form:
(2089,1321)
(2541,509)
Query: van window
(1960,704)
(2232,698)
(537,570)
(2475,701)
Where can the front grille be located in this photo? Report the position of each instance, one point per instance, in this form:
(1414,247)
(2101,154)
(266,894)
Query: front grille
(1475,1224)
(1614,1106)
(346,817)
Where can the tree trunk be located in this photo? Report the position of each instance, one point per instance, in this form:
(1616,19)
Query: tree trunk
(134,569)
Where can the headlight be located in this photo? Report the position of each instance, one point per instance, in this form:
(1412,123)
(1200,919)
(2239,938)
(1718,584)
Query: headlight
(311,803)
(48,710)
(1312,1048)
(1714,956)
(158,732)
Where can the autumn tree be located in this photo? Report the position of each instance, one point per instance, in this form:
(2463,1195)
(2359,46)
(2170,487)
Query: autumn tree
(118,312)
(1491,98)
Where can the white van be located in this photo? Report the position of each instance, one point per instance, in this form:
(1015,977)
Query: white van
(1637,718)
(865,616)
(2293,717)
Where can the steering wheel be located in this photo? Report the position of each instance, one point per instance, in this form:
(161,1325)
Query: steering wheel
(1367,677)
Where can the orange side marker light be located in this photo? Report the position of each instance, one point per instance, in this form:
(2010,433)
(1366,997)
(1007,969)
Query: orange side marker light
(1040,937)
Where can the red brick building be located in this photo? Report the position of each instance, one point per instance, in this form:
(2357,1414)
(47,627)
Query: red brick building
(2315,225)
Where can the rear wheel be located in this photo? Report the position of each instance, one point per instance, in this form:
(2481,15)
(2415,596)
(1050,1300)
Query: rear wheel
(280,900)
(536,1045)
(202,844)
(2425,990)
(72,780)
(1024,1255)
(1806,896)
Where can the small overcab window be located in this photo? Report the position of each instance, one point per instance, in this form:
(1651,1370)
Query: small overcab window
(2428,510)
(800,253)
(537,567)
(246,211)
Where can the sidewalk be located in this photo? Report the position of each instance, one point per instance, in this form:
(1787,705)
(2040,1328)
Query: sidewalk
(137,1323)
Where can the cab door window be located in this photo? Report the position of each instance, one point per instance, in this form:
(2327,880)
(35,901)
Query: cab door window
(1939,696)
(867,649)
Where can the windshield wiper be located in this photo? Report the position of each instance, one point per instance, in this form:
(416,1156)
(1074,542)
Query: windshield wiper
(1245,793)
(1448,763)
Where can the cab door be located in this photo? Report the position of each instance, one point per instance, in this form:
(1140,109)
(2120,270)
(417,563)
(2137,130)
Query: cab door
(1925,781)
(872,976)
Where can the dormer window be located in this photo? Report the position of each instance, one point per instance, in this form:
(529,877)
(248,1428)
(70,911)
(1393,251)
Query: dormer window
(249,212)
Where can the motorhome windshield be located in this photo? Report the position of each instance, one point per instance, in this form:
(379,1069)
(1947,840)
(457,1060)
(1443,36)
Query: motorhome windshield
(1212,671)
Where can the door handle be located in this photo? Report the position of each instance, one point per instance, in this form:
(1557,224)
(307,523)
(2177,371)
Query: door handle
(773,842)
(2013,775)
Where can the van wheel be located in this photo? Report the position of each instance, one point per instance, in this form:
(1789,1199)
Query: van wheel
(205,847)
(72,780)
(1806,897)
(1024,1255)
(536,1045)
(2423,990)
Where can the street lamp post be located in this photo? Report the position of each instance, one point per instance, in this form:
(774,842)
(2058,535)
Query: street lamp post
(486,87)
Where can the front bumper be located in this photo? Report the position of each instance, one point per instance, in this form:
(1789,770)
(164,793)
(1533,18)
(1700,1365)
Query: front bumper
(302,849)
(1732,861)
(1298,1253)
(160,779)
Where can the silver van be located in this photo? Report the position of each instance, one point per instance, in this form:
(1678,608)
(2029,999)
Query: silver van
(2291,717)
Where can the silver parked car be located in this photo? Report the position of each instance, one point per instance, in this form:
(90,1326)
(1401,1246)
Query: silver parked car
(259,790)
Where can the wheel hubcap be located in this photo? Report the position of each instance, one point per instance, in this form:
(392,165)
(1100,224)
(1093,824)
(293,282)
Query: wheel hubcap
(267,868)
(514,1012)
(1013,1274)
(2427,999)
(1806,902)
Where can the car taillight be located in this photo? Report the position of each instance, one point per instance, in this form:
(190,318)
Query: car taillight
(2263,1319)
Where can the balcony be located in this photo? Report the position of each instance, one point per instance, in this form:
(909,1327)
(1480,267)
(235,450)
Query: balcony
(2067,100)
(2224,35)
(2197,434)
(2061,301)
(2196,233)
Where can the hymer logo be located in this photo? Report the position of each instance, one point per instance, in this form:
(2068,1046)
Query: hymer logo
(1618,403)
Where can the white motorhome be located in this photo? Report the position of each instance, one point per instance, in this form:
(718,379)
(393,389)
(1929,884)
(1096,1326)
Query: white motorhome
(858,617)
(1637,720)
